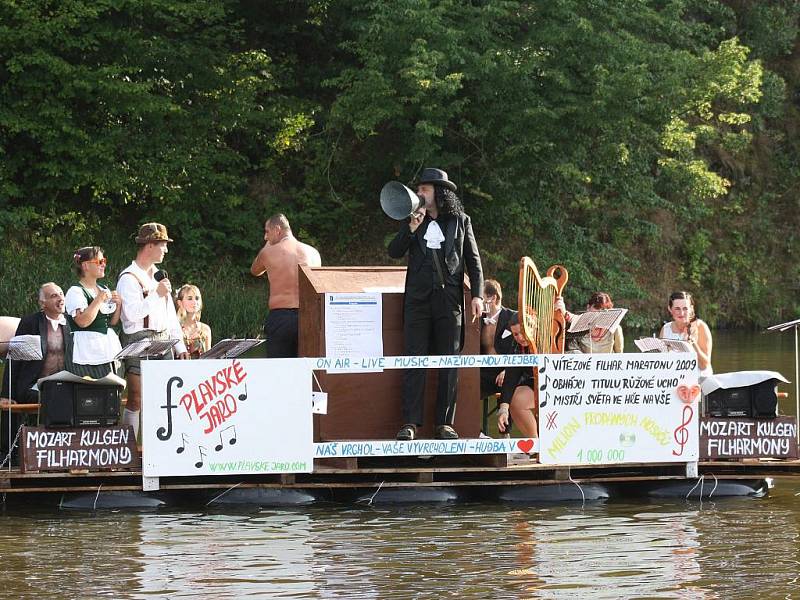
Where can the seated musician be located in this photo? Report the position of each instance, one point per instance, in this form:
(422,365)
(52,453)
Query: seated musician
(496,337)
(517,398)
(599,340)
(687,327)
(51,325)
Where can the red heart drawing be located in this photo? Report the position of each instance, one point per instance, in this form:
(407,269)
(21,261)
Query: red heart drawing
(525,445)
(687,393)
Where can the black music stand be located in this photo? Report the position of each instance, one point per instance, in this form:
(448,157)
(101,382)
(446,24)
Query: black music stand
(229,348)
(781,327)
(20,347)
(146,349)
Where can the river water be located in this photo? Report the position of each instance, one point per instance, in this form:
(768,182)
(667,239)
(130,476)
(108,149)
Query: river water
(735,547)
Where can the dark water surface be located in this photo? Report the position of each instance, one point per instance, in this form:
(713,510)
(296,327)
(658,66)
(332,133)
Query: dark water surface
(726,548)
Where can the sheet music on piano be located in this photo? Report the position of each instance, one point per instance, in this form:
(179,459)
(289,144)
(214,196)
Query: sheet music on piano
(652,344)
(597,319)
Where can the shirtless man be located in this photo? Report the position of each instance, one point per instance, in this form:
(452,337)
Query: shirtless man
(280,259)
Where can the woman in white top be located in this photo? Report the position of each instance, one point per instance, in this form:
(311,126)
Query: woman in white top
(687,327)
(598,340)
(91,311)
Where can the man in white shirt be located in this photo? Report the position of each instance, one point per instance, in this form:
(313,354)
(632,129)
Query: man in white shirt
(148,312)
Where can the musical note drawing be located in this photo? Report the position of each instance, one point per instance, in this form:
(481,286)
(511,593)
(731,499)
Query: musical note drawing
(231,441)
(164,433)
(243,397)
(203,453)
(543,367)
(182,447)
(542,388)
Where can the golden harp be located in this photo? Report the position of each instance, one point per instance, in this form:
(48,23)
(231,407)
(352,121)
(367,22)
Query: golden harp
(544,327)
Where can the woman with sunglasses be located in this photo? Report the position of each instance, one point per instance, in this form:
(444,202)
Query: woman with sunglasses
(687,327)
(91,311)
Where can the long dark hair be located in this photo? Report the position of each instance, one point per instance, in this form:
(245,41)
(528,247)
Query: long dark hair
(692,312)
(447,201)
(600,301)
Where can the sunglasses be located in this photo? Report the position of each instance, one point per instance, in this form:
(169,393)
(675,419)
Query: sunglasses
(97,261)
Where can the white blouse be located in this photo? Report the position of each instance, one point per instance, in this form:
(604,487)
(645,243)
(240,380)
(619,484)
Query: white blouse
(89,347)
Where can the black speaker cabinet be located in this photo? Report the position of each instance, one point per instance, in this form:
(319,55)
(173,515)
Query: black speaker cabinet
(764,399)
(759,401)
(56,404)
(96,405)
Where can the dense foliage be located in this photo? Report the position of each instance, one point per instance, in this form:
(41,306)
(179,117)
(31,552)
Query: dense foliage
(646,145)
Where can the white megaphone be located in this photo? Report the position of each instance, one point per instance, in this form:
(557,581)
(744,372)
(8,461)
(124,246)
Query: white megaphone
(399,202)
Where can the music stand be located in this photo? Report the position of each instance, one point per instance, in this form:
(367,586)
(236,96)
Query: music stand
(605,319)
(20,347)
(146,349)
(653,344)
(229,348)
(781,327)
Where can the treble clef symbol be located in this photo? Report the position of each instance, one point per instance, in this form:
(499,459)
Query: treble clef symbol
(681,434)
(164,433)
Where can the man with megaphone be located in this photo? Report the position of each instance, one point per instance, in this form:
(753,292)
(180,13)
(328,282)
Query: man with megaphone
(440,244)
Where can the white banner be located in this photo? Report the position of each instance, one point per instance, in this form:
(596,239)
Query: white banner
(365,448)
(618,408)
(367,364)
(226,417)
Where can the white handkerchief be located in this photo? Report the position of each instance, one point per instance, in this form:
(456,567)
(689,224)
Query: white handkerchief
(505,334)
(434,236)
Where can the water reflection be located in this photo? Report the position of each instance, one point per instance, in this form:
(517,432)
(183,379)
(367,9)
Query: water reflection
(266,554)
(670,549)
(666,550)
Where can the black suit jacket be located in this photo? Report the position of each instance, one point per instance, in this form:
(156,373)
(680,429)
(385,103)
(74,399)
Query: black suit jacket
(24,373)
(502,345)
(460,251)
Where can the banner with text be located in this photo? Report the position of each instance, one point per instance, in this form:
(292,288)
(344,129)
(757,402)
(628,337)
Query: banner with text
(226,417)
(739,437)
(618,408)
(383,448)
(78,448)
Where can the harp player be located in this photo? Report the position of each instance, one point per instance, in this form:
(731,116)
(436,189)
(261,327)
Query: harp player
(441,246)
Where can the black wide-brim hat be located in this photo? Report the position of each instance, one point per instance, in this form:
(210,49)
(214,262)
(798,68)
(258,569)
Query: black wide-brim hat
(436,177)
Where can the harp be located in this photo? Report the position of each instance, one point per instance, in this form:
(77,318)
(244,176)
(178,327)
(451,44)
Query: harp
(543,327)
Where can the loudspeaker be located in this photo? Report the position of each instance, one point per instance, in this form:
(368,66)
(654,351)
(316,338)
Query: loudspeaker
(758,401)
(764,399)
(397,201)
(56,404)
(96,405)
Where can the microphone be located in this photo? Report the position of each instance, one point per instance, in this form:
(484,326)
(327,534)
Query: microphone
(160,274)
